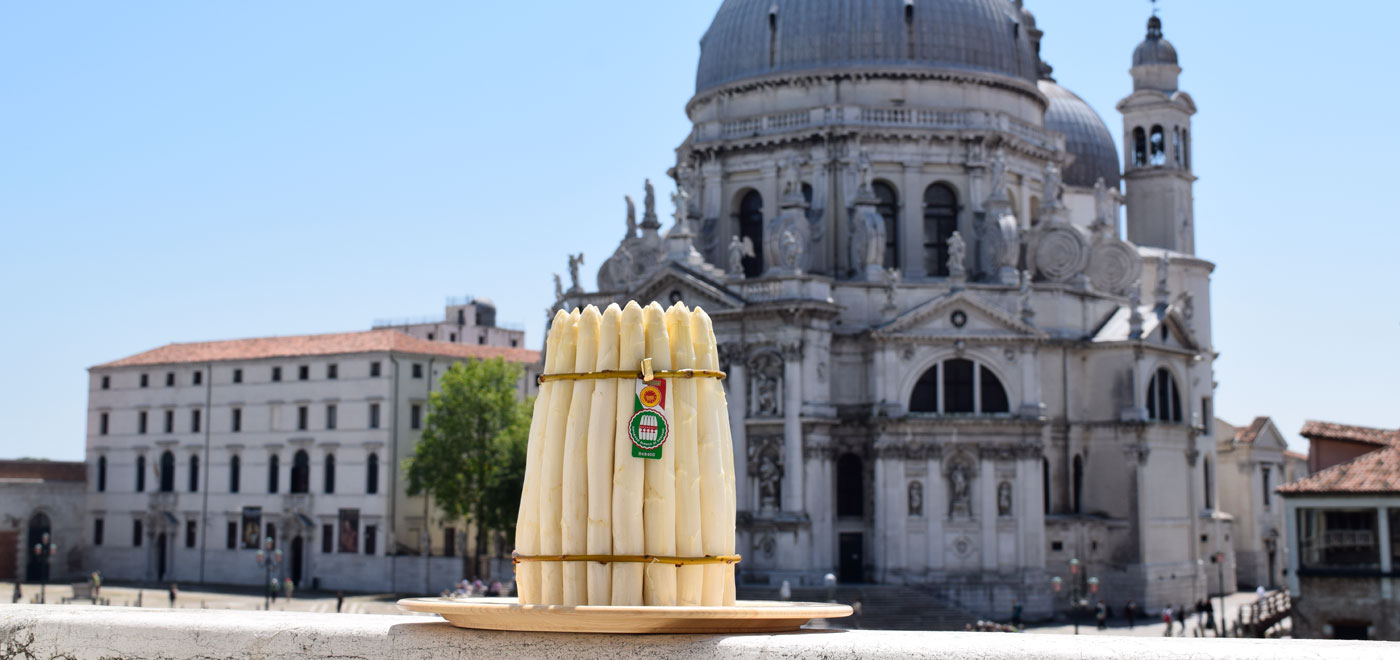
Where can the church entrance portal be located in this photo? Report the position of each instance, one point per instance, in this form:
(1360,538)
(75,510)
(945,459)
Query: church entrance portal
(160,557)
(852,558)
(297,561)
(39,527)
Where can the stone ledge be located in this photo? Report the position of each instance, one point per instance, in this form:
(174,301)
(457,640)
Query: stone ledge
(79,633)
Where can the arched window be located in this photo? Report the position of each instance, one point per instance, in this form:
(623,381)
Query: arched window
(1186,147)
(808,194)
(1176,145)
(889,210)
(235,466)
(167,472)
(1163,398)
(194,474)
(1139,147)
(1078,484)
(273,468)
(940,221)
(301,472)
(372,475)
(751,227)
(1045,483)
(101,474)
(1205,479)
(330,473)
(959,386)
(1158,146)
(850,486)
(141,473)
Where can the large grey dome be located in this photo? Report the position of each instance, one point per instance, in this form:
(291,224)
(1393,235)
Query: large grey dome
(1086,136)
(750,38)
(1154,49)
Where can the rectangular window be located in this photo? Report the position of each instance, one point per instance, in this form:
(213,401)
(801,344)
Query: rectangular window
(102,424)
(199,378)
(231,536)
(415,417)
(194,421)
(330,416)
(301,418)
(452,337)
(374,415)
(1333,539)
(332,372)
(370,540)
(170,379)
(271,534)
(417,370)
(141,422)
(191,529)
(237,375)
(236,422)
(327,538)
(136,533)
(277,374)
(304,372)
(1207,419)
(1265,479)
(374,369)
(97,532)
(145,380)
(449,542)
(170,421)
(431,336)
(481,340)
(106,382)
(514,343)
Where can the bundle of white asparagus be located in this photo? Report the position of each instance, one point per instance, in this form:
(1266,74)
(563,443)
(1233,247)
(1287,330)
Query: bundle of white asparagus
(621,467)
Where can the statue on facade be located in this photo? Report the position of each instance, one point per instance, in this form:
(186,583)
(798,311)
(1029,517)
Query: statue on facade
(957,258)
(558,288)
(649,220)
(996,186)
(1103,210)
(631,218)
(916,498)
(766,378)
(688,177)
(681,200)
(739,247)
(864,168)
(868,237)
(1004,499)
(1163,292)
(792,250)
(961,501)
(1027,311)
(892,279)
(574,262)
(770,480)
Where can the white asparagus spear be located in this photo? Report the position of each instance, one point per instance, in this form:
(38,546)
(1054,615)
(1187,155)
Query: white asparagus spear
(602,427)
(527,525)
(714,483)
(628,471)
(575,512)
(659,503)
(552,468)
(689,543)
(727,462)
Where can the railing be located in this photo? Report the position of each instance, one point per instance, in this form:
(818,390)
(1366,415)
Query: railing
(761,291)
(1257,618)
(400,322)
(296,502)
(953,120)
(460,300)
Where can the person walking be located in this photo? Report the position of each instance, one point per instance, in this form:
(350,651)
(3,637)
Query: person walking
(1210,617)
(1132,611)
(19,593)
(287,587)
(273,587)
(339,600)
(1167,619)
(1101,615)
(174,591)
(1016,611)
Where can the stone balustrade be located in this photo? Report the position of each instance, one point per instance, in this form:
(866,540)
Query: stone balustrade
(77,632)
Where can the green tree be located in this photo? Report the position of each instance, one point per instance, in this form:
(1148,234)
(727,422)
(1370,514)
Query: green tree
(471,459)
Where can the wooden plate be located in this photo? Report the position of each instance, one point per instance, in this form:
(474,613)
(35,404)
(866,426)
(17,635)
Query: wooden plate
(747,616)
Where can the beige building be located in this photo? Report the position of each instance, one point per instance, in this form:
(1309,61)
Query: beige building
(197,452)
(949,363)
(1253,462)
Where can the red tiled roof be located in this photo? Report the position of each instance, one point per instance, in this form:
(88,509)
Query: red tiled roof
(1372,473)
(369,341)
(1251,433)
(45,470)
(1296,454)
(1329,431)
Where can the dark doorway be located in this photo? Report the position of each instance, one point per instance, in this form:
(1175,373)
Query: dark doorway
(850,486)
(39,527)
(160,557)
(852,558)
(296,561)
(1350,631)
(1270,579)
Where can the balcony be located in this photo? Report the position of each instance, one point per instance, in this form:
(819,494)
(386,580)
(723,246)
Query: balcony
(296,502)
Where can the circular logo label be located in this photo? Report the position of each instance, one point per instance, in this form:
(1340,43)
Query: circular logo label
(647,429)
(650,396)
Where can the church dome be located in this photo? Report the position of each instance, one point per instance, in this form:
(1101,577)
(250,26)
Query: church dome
(751,38)
(1086,137)
(1154,49)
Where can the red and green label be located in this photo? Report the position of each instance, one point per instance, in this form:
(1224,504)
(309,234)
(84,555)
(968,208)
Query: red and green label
(648,427)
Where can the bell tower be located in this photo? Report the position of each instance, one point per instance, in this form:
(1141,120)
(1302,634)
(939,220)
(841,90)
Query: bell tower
(1157,133)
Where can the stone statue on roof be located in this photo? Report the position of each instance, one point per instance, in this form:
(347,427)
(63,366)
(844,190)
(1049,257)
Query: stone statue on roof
(631,217)
(574,262)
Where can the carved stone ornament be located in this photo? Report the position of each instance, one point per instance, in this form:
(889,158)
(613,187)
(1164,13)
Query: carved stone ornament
(1114,266)
(916,498)
(1060,252)
(1004,498)
(998,247)
(738,249)
(766,385)
(960,490)
(765,461)
(616,273)
(867,239)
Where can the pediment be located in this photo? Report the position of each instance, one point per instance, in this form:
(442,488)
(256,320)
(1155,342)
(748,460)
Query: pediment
(1179,333)
(672,281)
(961,314)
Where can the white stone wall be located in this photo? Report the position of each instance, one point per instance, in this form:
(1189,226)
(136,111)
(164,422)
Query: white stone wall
(62,502)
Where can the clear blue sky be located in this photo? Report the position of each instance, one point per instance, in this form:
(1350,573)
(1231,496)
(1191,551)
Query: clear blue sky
(191,171)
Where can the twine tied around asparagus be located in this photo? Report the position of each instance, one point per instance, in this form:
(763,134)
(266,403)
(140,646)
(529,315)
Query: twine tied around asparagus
(646,374)
(517,559)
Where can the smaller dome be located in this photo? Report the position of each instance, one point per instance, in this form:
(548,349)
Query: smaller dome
(1086,137)
(1154,49)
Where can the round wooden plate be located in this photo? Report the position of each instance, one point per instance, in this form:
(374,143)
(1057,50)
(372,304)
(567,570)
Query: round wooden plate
(746,616)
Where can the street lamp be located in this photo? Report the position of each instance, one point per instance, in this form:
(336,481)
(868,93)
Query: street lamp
(44,551)
(1076,597)
(268,560)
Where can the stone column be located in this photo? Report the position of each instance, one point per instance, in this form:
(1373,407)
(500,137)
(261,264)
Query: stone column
(1030,516)
(820,485)
(896,515)
(737,401)
(1383,530)
(793,491)
(771,202)
(986,510)
(935,510)
(1290,537)
(1031,403)
(911,224)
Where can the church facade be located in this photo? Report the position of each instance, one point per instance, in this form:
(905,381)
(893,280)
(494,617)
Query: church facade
(949,365)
